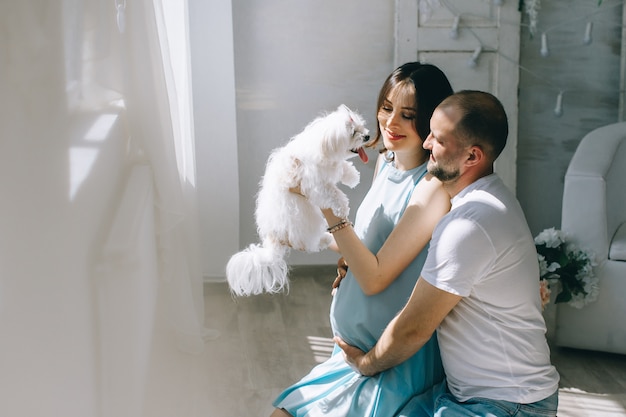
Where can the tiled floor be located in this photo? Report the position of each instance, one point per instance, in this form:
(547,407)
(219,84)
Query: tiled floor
(267,342)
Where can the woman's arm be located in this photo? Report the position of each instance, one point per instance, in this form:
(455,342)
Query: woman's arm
(333,245)
(374,272)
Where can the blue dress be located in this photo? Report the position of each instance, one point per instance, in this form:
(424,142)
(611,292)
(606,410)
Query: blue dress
(333,388)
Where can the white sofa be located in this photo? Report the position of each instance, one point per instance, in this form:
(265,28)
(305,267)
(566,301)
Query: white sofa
(594,215)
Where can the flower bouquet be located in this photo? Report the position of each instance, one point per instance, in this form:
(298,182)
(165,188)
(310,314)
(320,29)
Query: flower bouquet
(564,263)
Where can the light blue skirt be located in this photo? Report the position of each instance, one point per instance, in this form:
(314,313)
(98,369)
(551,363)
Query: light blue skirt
(334,389)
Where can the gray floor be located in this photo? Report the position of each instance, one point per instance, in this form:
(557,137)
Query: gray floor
(267,342)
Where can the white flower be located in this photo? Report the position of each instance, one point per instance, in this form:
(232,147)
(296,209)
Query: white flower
(561,260)
(546,270)
(553,266)
(552,238)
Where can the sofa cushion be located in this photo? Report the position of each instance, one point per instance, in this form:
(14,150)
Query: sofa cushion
(617,250)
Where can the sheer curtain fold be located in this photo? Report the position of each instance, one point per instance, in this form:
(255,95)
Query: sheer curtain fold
(154,61)
(159,110)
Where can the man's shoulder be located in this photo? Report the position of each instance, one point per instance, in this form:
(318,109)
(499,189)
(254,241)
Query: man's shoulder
(486,197)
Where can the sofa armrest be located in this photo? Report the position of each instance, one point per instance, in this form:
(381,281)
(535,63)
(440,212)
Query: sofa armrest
(584,217)
(617,249)
(593,189)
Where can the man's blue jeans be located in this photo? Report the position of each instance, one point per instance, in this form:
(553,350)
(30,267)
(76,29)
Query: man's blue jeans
(438,402)
(447,406)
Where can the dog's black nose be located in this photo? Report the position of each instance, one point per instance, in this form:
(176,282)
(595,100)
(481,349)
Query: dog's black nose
(366,138)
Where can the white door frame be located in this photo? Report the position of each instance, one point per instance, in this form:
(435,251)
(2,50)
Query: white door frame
(495,34)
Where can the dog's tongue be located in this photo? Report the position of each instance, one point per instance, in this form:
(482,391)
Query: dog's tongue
(363,155)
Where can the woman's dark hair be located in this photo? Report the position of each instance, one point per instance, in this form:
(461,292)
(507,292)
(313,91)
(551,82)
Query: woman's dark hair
(431,87)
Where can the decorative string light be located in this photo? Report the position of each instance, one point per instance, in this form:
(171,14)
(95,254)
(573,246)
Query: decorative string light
(474,58)
(587,37)
(558,109)
(531,8)
(454,32)
(544,45)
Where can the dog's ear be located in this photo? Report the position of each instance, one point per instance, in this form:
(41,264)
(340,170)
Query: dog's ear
(343,107)
(348,112)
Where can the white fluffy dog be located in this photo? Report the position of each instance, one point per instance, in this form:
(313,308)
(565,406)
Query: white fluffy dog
(315,160)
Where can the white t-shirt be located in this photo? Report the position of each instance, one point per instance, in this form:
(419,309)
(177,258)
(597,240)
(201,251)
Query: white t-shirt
(493,342)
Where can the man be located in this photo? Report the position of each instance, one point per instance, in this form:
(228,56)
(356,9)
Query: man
(479,287)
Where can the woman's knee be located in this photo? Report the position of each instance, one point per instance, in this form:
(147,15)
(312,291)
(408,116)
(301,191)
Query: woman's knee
(279,412)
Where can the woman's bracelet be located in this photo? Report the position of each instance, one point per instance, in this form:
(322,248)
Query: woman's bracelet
(343,223)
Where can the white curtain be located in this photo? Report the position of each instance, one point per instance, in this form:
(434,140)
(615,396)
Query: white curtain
(154,59)
(101,304)
(158,100)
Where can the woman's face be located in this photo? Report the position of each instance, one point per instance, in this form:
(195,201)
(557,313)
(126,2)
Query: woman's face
(396,118)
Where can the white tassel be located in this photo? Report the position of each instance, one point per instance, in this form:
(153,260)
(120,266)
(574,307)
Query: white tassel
(454,32)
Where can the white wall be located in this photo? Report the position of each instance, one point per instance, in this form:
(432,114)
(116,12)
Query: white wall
(589,75)
(213,80)
(294,59)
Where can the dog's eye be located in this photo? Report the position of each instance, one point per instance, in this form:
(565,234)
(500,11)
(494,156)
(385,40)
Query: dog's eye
(353,132)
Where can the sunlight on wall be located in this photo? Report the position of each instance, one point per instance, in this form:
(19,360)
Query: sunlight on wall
(101,128)
(322,347)
(81,161)
(82,158)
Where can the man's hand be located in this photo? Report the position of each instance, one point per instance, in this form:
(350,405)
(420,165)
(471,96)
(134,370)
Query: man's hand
(296,190)
(353,357)
(342,270)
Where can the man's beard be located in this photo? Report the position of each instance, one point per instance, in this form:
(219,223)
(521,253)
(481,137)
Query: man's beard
(442,174)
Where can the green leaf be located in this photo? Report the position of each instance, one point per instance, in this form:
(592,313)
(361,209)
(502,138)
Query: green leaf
(563,297)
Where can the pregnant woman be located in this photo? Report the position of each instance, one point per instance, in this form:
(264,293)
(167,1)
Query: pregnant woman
(385,251)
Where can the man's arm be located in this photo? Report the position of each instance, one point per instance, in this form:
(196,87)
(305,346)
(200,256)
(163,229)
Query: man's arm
(406,333)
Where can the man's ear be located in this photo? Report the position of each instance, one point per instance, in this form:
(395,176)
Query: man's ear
(476,156)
